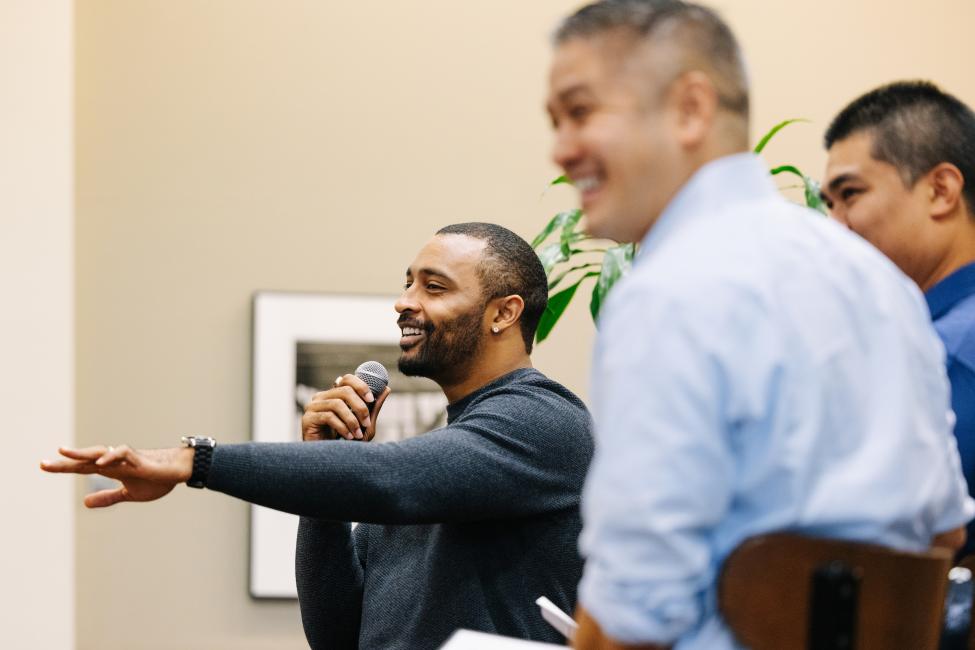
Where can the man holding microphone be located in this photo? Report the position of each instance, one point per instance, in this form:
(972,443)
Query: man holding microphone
(464,526)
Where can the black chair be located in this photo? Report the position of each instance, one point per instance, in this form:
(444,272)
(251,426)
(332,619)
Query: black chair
(956,631)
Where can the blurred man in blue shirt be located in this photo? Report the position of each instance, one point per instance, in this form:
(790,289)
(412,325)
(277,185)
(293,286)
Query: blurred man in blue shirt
(761,368)
(901,172)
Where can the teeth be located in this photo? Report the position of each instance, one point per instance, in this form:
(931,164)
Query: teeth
(586,184)
(412,331)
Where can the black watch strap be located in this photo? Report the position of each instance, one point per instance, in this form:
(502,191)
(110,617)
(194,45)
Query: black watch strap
(202,459)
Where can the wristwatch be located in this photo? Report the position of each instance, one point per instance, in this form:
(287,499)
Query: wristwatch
(202,458)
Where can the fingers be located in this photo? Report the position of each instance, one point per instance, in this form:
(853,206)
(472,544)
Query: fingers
(91,460)
(361,391)
(380,400)
(87,453)
(312,430)
(105,498)
(115,455)
(353,391)
(344,409)
(67,466)
(346,403)
(371,431)
(313,426)
(339,420)
(359,386)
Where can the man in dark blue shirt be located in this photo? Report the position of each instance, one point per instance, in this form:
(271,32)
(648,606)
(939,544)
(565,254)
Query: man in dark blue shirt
(901,173)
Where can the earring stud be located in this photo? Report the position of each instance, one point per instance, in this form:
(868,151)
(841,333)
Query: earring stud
(495,329)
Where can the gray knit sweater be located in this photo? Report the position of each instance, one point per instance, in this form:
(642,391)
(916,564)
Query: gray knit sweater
(463,527)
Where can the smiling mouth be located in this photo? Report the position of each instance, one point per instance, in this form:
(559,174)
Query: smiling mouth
(588,187)
(410,337)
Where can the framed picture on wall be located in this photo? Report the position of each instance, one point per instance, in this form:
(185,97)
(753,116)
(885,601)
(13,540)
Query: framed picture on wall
(302,342)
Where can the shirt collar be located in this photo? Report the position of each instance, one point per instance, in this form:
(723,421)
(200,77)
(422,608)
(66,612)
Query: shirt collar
(945,294)
(711,189)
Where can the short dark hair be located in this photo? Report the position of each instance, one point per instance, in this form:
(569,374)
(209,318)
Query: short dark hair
(915,126)
(510,266)
(703,37)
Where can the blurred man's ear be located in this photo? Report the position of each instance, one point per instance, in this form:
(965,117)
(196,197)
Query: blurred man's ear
(695,100)
(946,184)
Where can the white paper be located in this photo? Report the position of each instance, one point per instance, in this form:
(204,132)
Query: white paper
(557,618)
(468,640)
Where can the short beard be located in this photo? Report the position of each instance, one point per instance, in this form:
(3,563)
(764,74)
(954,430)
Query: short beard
(446,350)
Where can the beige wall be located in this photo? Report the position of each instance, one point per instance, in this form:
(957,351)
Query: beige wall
(36,322)
(809,59)
(225,146)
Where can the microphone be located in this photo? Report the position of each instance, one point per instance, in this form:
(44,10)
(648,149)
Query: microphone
(376,378)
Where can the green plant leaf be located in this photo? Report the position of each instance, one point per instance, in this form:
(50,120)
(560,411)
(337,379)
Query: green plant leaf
(570,223)
(561,180)
(787,169)
(556,222)
(561,276)
(775,129)
(568,236)
(616,263)
(810,186)
(814,197)
(556,307)
(550,255)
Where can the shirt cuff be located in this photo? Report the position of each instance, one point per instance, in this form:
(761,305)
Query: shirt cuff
(640,613)
(958,518)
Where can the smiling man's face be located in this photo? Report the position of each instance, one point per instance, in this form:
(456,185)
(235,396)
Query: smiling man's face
(612,135)
(870,197)
(442,309)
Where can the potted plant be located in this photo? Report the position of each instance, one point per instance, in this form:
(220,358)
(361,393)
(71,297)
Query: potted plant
(571,257)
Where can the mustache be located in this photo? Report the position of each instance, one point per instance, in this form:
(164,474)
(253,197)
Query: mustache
(406,321)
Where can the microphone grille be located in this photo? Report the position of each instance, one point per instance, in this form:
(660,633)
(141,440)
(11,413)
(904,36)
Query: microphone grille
(375,376)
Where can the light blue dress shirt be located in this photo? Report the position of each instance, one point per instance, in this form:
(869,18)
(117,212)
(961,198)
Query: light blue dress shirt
(760,369)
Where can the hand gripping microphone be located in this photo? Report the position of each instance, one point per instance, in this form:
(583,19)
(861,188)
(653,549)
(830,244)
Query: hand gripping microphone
(376,378)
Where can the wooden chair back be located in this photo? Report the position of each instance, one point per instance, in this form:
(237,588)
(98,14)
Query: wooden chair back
(782,591)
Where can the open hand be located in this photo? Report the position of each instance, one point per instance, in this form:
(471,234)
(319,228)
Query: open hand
(146,475)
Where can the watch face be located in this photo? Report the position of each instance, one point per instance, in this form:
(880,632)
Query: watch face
(198,441)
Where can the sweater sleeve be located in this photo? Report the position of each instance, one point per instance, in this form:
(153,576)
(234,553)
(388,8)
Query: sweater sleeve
(331,590)
(517,452)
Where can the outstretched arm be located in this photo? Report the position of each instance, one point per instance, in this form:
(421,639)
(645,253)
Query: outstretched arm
(150,474)
(508,458)
(518,456)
